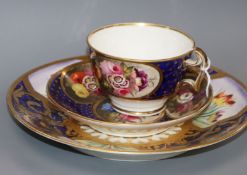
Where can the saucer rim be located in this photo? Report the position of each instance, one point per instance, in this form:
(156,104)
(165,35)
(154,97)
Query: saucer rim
(16,116)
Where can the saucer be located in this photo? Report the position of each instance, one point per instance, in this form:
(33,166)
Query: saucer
(75,89)
(91,108)
(224,118)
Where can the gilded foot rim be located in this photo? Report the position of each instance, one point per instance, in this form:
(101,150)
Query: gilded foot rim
(225,117)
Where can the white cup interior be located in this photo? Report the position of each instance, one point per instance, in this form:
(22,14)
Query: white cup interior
(140,42)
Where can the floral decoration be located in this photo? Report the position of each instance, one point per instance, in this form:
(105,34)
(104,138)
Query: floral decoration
(185,101)
(83,83)
(215,111)
(123,79)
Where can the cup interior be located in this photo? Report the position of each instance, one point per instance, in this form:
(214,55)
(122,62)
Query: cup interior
(140,41)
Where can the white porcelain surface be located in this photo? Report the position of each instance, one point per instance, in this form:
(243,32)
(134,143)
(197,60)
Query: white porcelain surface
(141,42)
(138,106)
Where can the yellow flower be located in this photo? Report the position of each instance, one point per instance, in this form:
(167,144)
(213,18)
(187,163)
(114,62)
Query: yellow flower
(80,90)
(219,101)
(222,99)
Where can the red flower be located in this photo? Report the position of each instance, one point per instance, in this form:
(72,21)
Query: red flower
(77,77)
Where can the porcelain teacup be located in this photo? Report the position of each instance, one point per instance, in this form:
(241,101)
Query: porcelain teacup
(140,65)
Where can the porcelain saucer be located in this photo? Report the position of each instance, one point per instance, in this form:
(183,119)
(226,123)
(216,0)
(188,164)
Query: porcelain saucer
(75,89)
(225,117)
(85,104)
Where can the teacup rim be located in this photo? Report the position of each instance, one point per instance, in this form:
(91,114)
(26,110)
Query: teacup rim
(118,58)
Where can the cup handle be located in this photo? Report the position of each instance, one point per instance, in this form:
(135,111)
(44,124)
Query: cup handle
(202,64)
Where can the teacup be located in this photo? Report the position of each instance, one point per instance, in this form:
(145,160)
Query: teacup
(140,65)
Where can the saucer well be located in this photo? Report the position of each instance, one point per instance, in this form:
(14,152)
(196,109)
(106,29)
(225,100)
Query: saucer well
(224,118)
(96,111)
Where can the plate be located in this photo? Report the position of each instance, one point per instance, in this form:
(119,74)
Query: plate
(225,117)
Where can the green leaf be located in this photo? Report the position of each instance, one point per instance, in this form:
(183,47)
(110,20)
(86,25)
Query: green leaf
(128,71)
(122,65)
(105,84)
(209,112)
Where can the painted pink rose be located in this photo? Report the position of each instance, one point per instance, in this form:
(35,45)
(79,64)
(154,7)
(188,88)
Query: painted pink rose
(109,67)
(118,81)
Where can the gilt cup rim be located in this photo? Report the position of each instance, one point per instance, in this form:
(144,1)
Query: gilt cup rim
(119,58)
